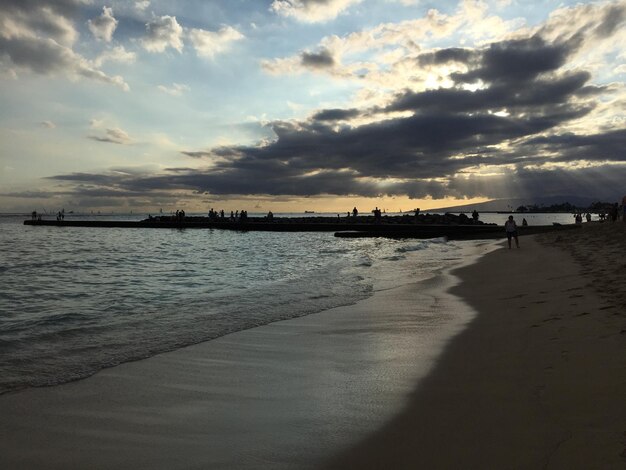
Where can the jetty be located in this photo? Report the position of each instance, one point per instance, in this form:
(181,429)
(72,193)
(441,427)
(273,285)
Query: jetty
(453,227)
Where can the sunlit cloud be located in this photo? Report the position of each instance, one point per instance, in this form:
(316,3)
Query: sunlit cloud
(176,89)
(104,25)
(142,5)
(209,43)
(162,33)
(113,136)
(117,54)
(311,11)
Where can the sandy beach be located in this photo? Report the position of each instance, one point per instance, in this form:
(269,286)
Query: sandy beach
(537,380)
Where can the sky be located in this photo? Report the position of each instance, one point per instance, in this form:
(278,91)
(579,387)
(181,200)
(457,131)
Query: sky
(292,105)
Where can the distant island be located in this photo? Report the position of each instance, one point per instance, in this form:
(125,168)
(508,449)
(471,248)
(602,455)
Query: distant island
(551,204)
(595,207)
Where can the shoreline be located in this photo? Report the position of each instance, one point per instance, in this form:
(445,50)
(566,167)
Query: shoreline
(284,395)
(537,380)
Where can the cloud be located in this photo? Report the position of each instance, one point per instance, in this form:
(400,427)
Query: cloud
(46,18)
(142,5)
(382,55)
(176,89)
(507,117)
(336,114)
(47,124)
(198,154)
(311,11)
(320,60)
(104,25)
(117,54)
(46,57)
(113,136)
(37,37)
(163,32)
(209,43)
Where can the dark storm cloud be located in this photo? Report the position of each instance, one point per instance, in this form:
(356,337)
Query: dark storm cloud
(197,154)
(444,56)
(518,61)
(543,92)
(528,95)
(259,174)
(600,182)
(609,146)
(335,114)
(320,60)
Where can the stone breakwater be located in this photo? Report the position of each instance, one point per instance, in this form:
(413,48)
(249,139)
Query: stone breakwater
(459,227)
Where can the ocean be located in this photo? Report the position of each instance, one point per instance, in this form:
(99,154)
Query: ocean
(76,300)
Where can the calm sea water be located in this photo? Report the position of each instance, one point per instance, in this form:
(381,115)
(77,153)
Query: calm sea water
(76,300)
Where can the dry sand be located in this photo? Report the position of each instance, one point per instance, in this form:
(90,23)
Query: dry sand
(538,380)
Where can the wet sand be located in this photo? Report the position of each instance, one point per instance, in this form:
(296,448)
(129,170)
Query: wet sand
(281,396)
(538,380)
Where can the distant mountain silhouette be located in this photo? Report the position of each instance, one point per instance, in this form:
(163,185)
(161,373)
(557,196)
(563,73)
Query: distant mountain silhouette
(512,204)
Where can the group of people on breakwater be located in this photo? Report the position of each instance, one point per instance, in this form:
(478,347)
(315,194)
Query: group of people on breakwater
(221,215)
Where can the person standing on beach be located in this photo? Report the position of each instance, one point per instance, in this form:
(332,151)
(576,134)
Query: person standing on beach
(614,212)
(624,209)
(511,231)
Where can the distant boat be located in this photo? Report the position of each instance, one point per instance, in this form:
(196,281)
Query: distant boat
(309,212)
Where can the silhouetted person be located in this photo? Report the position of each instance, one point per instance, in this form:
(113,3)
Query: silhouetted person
(34,215)
(588,217)
(511,231)
(614,212)
(355,212)
(524,223)
(377,216)
(475,215)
